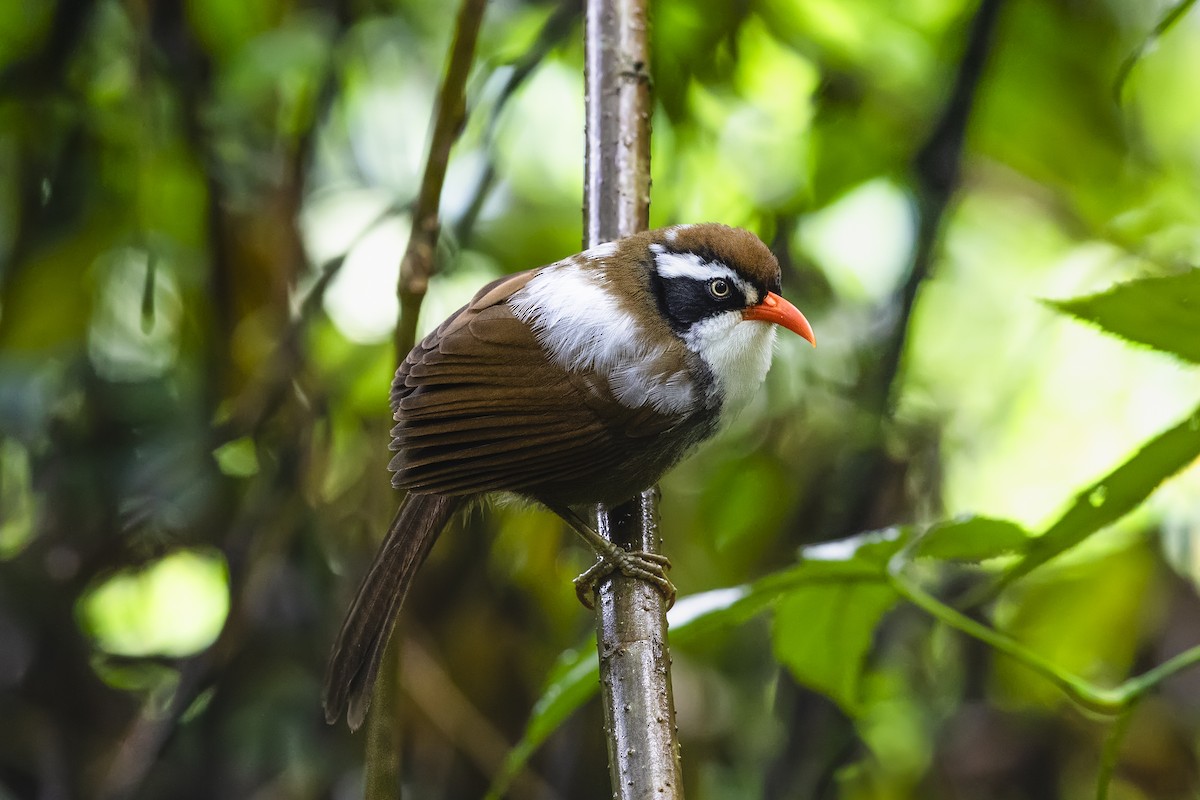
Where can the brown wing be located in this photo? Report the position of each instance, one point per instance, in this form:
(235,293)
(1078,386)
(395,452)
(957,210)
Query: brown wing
(479,407)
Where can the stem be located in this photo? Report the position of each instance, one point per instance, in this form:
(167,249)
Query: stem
(1112,751)
(1103,701)
(418,263)
(416,267)
(631,622)
(1135,688)
(1108,701)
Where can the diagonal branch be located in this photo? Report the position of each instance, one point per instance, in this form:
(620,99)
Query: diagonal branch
(416,267)
(418,263)
(859,483)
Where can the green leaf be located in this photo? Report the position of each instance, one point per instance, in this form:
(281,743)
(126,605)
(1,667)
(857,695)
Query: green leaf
(1162,312)
(861,554)
(237,458)
(973,538)
(573,681)
(1165,23)
(858,560)
(1116,494)
(823,634)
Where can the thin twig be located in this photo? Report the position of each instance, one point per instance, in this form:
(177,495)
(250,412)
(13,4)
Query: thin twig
(418,263)
(1099,699)
(937,171)
(936,174)
(416,268)
(253,409)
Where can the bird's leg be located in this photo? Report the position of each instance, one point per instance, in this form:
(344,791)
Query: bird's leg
(651,567)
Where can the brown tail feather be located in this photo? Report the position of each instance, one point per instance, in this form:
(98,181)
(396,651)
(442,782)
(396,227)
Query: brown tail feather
(354,662)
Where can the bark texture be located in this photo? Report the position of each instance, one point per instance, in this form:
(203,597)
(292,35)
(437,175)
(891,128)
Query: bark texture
(631,624)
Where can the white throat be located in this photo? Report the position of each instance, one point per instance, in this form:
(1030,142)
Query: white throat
(738,351)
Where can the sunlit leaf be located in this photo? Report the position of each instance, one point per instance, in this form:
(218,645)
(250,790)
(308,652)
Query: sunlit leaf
(17,523)
(973,539)
(237,458)
(1116,494)
(824,628)
(1161,312)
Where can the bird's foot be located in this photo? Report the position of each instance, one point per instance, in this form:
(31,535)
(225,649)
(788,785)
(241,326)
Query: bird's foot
(651,567)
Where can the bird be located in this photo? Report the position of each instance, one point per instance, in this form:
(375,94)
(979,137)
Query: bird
(574,384)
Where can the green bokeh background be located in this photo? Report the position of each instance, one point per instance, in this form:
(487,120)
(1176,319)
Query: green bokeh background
(193,460)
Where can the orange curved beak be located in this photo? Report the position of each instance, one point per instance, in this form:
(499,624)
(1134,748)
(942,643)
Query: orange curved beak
(775,309)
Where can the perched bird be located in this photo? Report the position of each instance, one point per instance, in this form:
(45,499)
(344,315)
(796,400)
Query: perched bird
(577,383)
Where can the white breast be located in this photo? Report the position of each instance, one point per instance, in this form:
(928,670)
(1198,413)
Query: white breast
(582,327)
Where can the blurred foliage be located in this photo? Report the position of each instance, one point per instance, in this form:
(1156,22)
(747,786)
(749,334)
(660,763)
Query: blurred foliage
(202,209)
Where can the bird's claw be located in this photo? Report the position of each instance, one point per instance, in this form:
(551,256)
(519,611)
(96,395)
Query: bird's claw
(651,567)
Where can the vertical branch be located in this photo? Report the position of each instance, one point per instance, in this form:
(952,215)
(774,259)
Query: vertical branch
(631,625)
(416,267)
(616,194)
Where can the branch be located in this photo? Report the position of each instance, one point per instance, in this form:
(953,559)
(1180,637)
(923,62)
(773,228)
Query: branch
(616,199)
(936,175)
(937,171)
(631,624)
(418,263)
(416,267)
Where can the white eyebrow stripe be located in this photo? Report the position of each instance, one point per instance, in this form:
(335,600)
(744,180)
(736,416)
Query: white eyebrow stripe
(669,265)
(688,265)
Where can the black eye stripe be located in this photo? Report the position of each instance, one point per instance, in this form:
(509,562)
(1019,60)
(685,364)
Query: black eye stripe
(686,301)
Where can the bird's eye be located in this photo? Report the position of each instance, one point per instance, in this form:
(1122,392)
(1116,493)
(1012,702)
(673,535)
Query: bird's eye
(718,288)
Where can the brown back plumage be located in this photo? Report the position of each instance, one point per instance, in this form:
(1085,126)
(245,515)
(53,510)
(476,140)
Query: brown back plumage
(480,407)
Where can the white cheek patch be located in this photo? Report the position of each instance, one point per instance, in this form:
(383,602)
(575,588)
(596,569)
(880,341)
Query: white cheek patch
(738,351)
(582,327)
